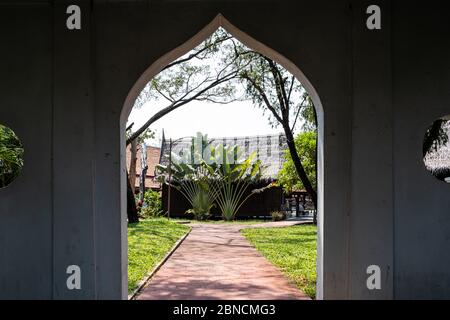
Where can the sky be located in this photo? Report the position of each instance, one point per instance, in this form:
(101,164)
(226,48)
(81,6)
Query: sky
(239,118)
(217,120)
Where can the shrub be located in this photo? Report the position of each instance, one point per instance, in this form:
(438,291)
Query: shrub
(192,181)
(152,206)
(200,198)
(11,156)
(278,215)
(223,180)
(234,179)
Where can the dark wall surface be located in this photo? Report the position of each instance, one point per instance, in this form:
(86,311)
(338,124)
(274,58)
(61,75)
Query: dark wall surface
(26,207)
(421,82)
(62,92)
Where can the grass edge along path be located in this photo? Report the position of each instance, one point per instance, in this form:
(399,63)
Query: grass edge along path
(233,222)
(292,249)
(148,243)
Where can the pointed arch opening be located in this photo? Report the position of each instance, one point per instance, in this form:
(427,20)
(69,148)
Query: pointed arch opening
(156,67)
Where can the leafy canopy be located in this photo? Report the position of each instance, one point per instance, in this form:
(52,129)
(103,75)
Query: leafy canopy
(305,143)
(223,178)
(11,156)
(223,70)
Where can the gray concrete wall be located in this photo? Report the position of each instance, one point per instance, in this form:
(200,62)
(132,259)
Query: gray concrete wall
(26,214)
(63,92)
(371,216)
(421,82)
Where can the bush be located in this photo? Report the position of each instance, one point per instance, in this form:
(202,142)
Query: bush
(152,206)
(202,204)
(278,215)
(200,197)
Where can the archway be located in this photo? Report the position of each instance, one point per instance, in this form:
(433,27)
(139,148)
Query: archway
(158,65)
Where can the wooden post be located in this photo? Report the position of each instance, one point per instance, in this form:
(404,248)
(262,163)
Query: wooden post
(170,176)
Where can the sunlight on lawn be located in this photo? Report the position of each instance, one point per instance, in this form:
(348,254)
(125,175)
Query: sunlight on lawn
(292,249)
(148,242)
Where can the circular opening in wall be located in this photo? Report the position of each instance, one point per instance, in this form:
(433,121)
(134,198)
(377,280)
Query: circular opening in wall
(436,149)
(11,156)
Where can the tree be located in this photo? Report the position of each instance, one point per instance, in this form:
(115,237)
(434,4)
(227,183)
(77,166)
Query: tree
(132,212)
(305,143)
(272,88)
(135,146)
(266,83)
(11,156)
(179,83)
(191,78)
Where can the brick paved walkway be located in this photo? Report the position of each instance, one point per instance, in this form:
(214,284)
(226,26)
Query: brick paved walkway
(216,262)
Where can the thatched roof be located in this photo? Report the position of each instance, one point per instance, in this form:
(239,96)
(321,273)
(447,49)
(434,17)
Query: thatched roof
(269,149)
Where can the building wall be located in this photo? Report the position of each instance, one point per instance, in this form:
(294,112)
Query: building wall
(259,205)
(379,90)
(421,78)
(26,207)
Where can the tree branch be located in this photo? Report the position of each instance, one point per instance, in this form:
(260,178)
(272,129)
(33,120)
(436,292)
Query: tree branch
(264,97)
(170,99)
(176,105)
(279,87)
(292,86)
(130,126)
(197,53)
(298,112)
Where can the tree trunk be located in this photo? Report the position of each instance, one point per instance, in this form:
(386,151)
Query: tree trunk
(131,204)
(133,160)
(298,165)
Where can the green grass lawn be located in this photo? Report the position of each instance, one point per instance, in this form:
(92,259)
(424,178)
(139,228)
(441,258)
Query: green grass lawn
(246,221)
(148,243)
(292,249)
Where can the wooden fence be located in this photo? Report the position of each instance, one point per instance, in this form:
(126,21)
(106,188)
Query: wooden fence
(257,206)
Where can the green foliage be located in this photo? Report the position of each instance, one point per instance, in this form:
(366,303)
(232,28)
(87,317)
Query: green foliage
(146,135)
(232,180)
(194,77)
(305,144)
(197,190)
(218,69)
(148,242)
(270,86)
(223,178)
(11,156)
(308,114)
(223,70)
(292,249)
(193,182)
(152,206)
